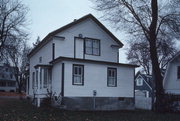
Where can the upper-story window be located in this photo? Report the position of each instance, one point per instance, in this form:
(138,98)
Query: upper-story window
(139,82)
(92,46)
(40,59)
(178,72)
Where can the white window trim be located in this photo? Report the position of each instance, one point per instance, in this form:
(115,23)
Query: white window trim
(81,75)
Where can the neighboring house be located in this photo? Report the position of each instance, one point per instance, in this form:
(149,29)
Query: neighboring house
(171,80)
(143,83)
(80,62)
(7,78)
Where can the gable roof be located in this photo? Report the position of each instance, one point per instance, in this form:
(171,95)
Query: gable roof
(175,56)
(147,78)
(168,66)
(53,33)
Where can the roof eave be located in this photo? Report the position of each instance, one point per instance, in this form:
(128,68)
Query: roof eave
(71,24)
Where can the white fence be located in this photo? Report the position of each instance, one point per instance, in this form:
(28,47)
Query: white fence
(142,102)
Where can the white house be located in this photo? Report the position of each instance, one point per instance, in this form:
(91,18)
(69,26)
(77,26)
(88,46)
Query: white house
(7,78)
(80,62)
(143,84)
(172,76)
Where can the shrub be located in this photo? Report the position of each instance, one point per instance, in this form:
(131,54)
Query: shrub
(171,103)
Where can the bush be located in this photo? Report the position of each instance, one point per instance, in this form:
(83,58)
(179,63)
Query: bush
(46,102)
(171,103)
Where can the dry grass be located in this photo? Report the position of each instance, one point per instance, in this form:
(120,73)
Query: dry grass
(22,110)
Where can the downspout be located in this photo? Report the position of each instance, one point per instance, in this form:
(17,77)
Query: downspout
(62,84)
(94,99)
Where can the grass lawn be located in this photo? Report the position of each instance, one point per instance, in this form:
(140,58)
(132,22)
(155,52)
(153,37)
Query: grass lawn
(22,110)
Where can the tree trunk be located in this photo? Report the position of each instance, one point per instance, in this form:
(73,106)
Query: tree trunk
(158,79)
(154,58)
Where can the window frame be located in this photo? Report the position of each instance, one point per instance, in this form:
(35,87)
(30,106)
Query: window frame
(82,83)
(137,82)
(45,76)
(40,80)
(3,84)
(33,80)
(40,59)
(36,82)
(11,84)
(99,47)
(111,68)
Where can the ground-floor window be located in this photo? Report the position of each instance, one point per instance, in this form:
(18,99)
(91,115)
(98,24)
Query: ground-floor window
(78,74)
(33,79)
(36,84)
(2,84)
(45,78)
(11,84)
(40,78)
(111,77)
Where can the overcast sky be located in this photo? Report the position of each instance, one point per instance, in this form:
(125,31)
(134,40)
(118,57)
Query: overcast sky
(48,15)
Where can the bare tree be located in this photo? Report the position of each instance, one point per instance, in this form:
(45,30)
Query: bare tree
(19,60)
(138,53)
(12,23)
(148,18)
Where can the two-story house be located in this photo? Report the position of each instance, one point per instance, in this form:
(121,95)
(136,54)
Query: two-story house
(80,62)
(7,78)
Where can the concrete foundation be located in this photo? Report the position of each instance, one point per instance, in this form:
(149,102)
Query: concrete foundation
(98,103)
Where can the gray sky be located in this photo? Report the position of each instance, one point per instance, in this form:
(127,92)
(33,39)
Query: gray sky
(48,15)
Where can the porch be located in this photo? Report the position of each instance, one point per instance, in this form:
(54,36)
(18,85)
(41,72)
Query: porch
(42,82)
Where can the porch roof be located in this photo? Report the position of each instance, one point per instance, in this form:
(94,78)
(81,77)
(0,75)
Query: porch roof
(90,61)
(43,65)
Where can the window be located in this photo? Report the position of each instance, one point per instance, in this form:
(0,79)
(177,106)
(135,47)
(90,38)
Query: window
(40,77)
(36,84)
(178,72)
(78,74)
(11,76)
(111,77)
(33,79)
(11,84)
(53,51)
(139,82)
(92,46)
(2,84)
(6,69)
(40,59)
(45,78)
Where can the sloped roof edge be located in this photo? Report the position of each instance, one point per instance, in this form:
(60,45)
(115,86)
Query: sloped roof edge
(72,24)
